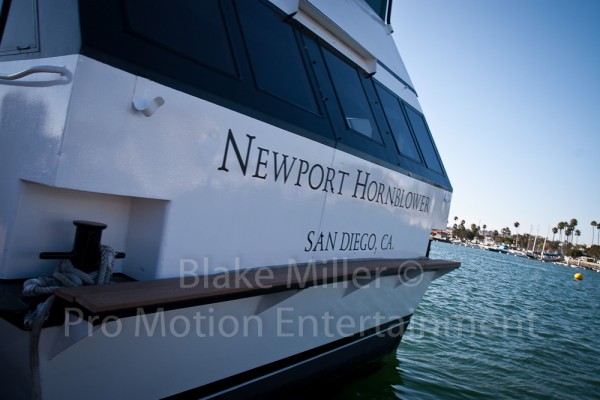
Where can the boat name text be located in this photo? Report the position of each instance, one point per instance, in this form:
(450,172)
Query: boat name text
(270,164)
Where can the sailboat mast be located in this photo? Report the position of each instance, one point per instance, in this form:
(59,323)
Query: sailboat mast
(544,247)
(535,241)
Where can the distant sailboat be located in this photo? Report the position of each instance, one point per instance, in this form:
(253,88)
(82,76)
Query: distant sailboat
(550,257)
(531,254)
(544,246)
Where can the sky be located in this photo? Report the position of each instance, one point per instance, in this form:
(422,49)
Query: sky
(511,92)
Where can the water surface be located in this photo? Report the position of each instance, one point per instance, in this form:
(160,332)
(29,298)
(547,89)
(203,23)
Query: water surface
(498,327)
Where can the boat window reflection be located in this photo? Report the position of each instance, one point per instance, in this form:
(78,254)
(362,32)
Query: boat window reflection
(424,138)
(153,20)
(352,97)
(397,121)
(278,67)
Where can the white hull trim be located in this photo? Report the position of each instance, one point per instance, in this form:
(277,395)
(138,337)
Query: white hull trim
(166,353)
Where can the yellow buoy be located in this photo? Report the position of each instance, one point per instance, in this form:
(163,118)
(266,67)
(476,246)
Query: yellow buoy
(578,276)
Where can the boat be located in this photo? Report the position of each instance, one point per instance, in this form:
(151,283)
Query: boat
(532,253)
(498,248)
(518,253)
(207,199)
(544,255)
(440,235)
(552,257)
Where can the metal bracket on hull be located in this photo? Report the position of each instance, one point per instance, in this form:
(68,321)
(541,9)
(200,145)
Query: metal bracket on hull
(148,107)
(268,302)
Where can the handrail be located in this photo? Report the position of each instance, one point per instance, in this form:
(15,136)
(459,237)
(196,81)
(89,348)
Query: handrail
(13,79)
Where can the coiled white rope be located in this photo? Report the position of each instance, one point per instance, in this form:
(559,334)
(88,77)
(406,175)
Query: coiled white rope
(66,275)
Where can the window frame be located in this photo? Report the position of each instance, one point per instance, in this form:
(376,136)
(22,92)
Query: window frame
(415,168)
(348,139)
(436,154)
(401,110)
(305,65)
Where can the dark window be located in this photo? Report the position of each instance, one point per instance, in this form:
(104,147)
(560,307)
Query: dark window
(397,121)
(352,97)
(4,7)
(424,138)
(182,27)
(275,57)
(379,6)
(18,27)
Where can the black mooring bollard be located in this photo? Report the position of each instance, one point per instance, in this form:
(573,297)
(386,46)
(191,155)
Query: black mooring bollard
(86,247)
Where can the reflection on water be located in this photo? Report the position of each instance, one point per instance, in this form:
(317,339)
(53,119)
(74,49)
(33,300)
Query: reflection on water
(498,327)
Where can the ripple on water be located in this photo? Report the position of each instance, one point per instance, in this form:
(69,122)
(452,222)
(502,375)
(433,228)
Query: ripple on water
(498,327)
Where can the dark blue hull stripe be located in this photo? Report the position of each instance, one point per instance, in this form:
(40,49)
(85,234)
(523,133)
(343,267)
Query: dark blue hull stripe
(308,366)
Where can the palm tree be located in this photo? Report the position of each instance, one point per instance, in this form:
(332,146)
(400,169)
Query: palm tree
(554,232)
(568,232)
(516,224)
(598,227)
(594,225)
(561,225)
(572,225)
(577,233)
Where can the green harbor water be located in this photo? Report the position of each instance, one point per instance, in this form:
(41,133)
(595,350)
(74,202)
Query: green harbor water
(498,327)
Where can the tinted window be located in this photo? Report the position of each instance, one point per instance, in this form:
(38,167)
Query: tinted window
(182,26)
(395,117)
(4,7)
(379,6)
(424,138)
(352,97)
(276,61)
(19,34)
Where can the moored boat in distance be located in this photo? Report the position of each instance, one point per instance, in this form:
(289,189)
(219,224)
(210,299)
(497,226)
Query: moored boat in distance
(552,257)
(517,252)
(498,248)
(252,183)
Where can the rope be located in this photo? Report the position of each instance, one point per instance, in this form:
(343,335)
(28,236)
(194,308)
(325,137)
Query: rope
(66,275)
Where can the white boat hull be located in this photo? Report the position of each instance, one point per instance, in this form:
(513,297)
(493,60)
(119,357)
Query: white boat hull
(198,349)
(205,151)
